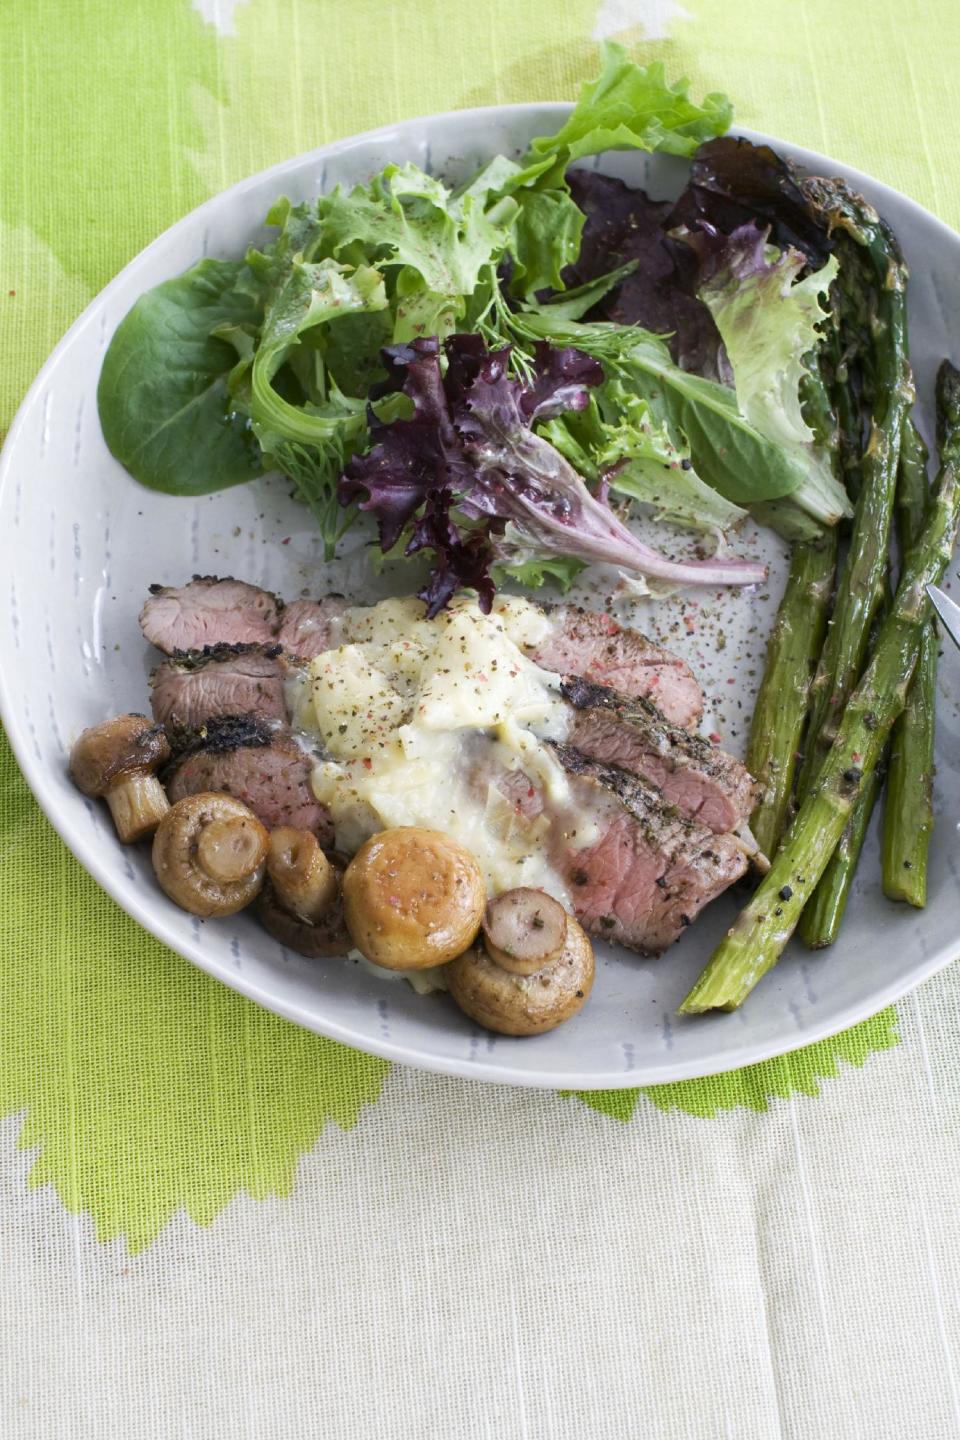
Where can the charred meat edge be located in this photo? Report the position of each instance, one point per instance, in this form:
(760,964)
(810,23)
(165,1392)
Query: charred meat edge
(641,715)
(221,735)
(644,802)
(189,660)
(157,589)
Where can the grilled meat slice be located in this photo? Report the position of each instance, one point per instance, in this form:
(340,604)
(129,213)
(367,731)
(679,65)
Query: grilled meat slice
(704,783)
(590,644)
(259,763)
(308,627)
(201,685)
(209,611)
(651,871)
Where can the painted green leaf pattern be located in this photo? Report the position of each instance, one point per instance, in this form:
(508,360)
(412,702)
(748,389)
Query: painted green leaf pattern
(755,1086)
(147,1087)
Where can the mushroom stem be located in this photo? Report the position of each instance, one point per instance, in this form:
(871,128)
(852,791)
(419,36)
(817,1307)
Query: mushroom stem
(138,803)
(523,930)
(230,849)
(515,1004)
(304,881)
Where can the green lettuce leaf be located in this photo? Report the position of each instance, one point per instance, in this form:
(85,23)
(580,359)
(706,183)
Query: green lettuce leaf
(311,294)
(701,415)
(619,440)
(546,222)
(350,349)
(310,441)
(631,107)
(559,571)
(628,107)
(769,320)
(299,234)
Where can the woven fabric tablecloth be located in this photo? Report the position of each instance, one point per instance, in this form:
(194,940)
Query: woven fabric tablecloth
(216,1225)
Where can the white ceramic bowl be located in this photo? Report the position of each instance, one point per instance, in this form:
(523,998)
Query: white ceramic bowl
(79,540)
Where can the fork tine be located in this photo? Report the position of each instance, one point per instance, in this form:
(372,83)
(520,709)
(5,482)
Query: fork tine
(948,611)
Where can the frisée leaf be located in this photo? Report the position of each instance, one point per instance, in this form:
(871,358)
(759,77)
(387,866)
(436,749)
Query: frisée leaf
(439,242)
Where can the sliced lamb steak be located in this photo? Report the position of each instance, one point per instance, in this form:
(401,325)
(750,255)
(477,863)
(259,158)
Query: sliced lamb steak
(308,627)
(704,783)
(202,685)
(258,763)
(590,644)
(209,611)
(652,871)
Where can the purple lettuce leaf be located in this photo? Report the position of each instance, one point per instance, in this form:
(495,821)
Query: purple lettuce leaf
(560,383)
(741,253)
(462,558)
(467,463)
(660,294)
(734,182)
(410,459)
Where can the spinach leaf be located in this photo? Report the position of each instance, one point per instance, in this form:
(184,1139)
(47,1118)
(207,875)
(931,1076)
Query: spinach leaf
(163,399)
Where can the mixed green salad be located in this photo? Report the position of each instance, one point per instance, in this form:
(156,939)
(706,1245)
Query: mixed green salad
(497,373)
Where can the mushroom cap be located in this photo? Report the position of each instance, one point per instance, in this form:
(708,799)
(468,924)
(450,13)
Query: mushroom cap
(514,1004)
(105,753)
(209,854)
(413,898)
(323,939)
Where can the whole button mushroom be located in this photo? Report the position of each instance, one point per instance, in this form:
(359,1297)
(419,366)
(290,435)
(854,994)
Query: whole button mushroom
(412,898)
(513,1004)
(209,854)
(300,902)
(117,760)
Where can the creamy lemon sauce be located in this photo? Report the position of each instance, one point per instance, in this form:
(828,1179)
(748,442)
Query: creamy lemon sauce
(418,718)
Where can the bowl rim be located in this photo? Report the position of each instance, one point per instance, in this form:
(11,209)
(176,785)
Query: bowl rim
(151,916)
